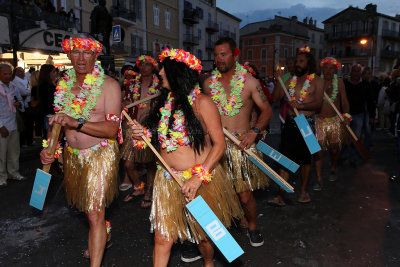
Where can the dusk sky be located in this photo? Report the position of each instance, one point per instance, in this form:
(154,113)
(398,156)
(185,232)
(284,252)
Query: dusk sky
(257,10)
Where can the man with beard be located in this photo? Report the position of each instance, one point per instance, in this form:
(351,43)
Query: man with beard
(306,92)
(236,93)
(142,85)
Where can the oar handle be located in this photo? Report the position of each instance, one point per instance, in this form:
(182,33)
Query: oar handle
(251,154)
(156,152)
(340,115)
(51,149)
(287,94)
(142,100)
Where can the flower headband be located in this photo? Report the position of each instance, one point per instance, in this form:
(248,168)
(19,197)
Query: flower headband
(85,43)
(181,56)
(330,60)
(247,66)
(131,73)
(148,59)
(304,49)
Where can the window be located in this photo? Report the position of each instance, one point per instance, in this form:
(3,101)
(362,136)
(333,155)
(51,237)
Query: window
(349,27)
(334,29)
(264,40)
(312,38)
(199,54)
(285,52)
(321,39)
(167,20)
(249,54)
(365,26)
(156,12)
(250,42)
(199,12)
(199,33)
(263,71)
(263,54)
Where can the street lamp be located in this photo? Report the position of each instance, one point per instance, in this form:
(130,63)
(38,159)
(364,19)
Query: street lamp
(365,42)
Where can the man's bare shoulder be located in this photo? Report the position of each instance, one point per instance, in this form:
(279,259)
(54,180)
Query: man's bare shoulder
(251,82)
(110,85)
(318,82)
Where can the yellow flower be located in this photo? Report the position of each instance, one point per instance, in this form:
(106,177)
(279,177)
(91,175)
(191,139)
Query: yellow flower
(89,79)
(229,107)
(177,134)
(62,83)
(45,143)
(187,174)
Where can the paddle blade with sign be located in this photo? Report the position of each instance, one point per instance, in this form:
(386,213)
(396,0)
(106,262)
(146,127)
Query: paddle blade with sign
(42,178)
(278,157)
(116,33)
(304,128)
(203,214)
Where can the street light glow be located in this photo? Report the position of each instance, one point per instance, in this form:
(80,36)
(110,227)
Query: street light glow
(363,41)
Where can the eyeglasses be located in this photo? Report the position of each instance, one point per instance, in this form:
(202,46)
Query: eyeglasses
(86,54)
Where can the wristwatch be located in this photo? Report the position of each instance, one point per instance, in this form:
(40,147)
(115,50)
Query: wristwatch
(81,122)
(256,130)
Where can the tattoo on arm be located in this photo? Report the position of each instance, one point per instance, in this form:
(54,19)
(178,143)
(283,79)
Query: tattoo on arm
(261,92)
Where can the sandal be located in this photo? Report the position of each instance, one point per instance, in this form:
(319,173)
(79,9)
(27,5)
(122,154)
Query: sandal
(124,187)
(304,198)
(137,191)
(276,202)
(86,253)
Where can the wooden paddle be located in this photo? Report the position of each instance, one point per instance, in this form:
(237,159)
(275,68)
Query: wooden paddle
(302,124)
(203,214)
(356,141)
(42,178)
(142,100)
(262,165)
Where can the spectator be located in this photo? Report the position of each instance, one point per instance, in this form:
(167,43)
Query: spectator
(384,106)
(47,88)
(34,104)
(28,75)
(10,100)
(71,16)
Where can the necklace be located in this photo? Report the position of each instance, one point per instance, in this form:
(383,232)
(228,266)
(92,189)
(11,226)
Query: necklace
(231,106)
(304,89)
(80,105)
(134,89)
(334,88)
(177,136)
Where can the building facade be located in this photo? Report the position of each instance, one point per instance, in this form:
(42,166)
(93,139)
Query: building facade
(380,34)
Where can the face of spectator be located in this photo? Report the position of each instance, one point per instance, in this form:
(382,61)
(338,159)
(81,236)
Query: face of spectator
(329,70)
(146,69)
(301,65)
(53,75)
(20,72)
(290,66)
(366,75)
(165,82)
(224,58)
(355,73)
(82,60)
(6,75)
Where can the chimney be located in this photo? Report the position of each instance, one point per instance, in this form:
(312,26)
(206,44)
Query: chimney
(305,20)
(310,21)
(370,8)
(294,18)
(315,23)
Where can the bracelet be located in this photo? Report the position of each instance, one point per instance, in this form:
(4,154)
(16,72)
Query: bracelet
(347,115)
(203,173)
(57,152)
(139,187)
(141,144)
(108,227)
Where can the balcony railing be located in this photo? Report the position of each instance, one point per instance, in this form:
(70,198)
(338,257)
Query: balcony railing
(190,16)
(124,13)
(389,54)
(190,39)
(128,51)
(212,26)
(390,34)
(352,53)
(347,34)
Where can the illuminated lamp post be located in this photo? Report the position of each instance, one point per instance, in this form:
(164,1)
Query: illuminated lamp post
(364,42)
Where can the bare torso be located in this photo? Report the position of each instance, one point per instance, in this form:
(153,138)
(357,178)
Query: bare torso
(326,109)
(77,139)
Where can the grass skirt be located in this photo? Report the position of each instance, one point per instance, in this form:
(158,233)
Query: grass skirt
(243,174)
(130,153)
(169,216)
(330,132)
(91,176)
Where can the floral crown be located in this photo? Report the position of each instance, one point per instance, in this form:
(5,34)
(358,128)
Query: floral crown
(130,72)
(85,43)
(330,60)
(148,59)
(181,56)
(304,49)
(247,66)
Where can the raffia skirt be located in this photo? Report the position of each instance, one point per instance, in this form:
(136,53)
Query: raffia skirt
(91,176)
(169,216)
(241,172)
(130,153)
(330,131)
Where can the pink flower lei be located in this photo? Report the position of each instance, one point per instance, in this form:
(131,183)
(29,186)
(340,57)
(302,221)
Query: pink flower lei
(134,90)
(304,89)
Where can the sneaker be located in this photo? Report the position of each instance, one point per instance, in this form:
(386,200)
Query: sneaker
(332,177)
(317,186)
(123,187)
(17,177)
(256,238)
(190,253)
(3,183)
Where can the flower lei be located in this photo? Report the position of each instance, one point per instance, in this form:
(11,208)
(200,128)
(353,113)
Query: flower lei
(304,89)
(335,90)
(57,152)
(178,134)
(134,89)
(202,172)
(74,105)
(229,107)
